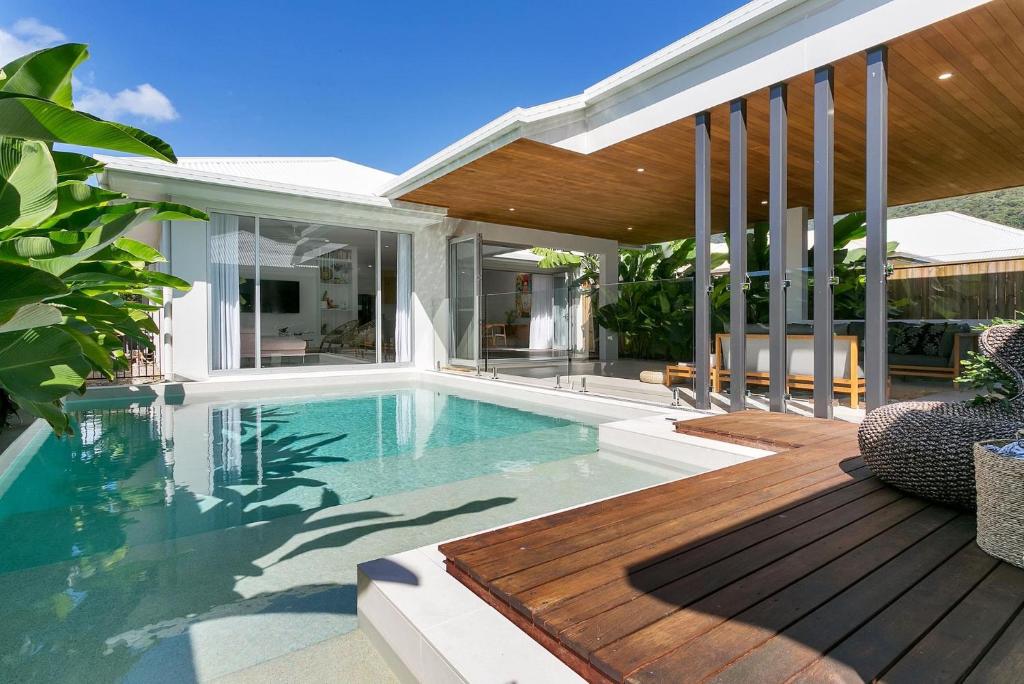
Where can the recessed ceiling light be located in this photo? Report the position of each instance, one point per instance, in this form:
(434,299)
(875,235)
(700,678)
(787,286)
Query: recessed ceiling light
(629,227)
(945,76)
(511,208)
(640,169)
(764,201)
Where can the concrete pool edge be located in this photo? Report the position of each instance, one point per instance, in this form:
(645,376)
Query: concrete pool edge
(380,379)
(429,627)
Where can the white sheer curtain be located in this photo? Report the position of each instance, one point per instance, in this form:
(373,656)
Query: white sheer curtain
(542,321)
(403,312)
(224,299)
(560,298)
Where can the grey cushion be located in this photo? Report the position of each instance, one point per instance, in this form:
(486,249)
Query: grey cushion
(918,360)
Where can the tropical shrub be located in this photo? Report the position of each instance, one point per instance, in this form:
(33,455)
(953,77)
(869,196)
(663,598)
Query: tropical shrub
(653,304)
(981,373)
(73,286)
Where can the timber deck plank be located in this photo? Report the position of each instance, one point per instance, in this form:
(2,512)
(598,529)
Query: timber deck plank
(799,566)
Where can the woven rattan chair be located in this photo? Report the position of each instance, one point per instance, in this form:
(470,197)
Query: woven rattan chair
(925,447)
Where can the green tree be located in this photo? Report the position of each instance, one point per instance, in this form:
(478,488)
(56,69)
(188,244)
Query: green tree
(73,286)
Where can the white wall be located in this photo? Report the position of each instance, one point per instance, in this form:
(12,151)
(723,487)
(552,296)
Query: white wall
(429,296)
(190,310)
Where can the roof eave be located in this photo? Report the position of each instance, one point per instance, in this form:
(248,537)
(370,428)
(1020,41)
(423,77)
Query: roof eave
(514,124)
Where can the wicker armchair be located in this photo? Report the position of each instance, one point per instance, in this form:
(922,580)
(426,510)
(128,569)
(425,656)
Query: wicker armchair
(925,447)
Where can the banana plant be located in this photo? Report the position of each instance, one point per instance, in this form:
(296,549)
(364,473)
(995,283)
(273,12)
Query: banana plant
(73,284)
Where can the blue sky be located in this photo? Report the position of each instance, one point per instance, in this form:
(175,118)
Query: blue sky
(381,83)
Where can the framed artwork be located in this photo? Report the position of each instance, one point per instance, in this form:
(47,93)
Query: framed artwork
(524,287)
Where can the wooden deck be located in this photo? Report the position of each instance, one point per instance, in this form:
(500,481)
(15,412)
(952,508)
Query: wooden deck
(799,566)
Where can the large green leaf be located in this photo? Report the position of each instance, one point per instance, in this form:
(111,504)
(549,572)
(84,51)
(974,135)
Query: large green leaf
(22,285)
(41,365)
(92,347)
(139,250)
(22,116)
(74,196)
(50,411)
(162,211)
(75,166)
(28,183)
(45,73)
(109,229)
(32,316)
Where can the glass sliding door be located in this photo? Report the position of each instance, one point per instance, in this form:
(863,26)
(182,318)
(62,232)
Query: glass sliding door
(464,299)
(396,297)
(289,293)
(318,291)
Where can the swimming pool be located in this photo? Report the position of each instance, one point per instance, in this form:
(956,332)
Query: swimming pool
(182,542)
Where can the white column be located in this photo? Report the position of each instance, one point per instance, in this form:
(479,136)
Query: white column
(796,265)
(608,344)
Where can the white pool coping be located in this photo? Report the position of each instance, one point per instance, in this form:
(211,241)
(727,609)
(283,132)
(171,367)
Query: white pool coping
(654,439)
(430,628)
(260,385)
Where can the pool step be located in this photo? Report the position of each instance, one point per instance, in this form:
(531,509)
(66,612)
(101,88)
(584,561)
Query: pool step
(430,628)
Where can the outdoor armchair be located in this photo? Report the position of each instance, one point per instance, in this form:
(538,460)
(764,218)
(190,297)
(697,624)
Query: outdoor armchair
(926,447)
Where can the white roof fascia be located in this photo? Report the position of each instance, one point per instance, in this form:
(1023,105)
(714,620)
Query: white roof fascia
(148,168)
(251,198)
(761,43)
(517,123)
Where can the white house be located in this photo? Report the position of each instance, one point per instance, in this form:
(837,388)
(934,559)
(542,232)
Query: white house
(778,111)
(301,268)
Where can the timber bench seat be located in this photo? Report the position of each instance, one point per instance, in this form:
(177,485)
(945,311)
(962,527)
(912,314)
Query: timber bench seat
(800,566)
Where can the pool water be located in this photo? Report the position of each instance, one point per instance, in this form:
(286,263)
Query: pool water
(156,525)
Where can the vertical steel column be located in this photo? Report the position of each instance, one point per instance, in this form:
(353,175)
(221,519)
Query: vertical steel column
(738,254)
(777,277)
(702,264)
(876,362)
(824,217)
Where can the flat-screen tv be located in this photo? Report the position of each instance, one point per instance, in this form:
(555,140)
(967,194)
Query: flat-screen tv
(276,296)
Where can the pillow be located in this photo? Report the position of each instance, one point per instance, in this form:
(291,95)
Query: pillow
(904,338)
(930,342)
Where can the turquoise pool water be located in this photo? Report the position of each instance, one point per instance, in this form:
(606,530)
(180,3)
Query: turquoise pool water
(132,551)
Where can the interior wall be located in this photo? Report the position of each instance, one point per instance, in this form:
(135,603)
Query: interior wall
(308,318)
(499,289)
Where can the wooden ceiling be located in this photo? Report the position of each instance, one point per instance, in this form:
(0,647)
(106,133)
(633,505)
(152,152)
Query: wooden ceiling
(946,138)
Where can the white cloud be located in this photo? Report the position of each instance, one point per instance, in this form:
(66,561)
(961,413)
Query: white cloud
(143,101)
(24,36)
